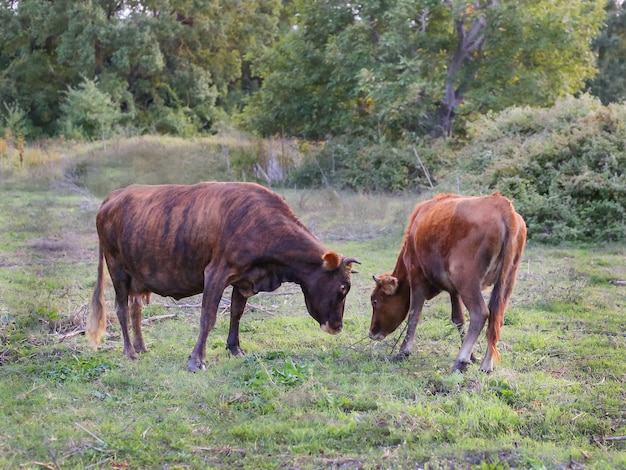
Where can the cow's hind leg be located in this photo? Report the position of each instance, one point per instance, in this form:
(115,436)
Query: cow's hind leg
(478,317)
(136,304)
(458,318)
(121,308)
(237,306)
(121,283)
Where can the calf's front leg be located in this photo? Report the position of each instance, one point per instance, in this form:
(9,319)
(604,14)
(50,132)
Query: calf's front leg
(415,315)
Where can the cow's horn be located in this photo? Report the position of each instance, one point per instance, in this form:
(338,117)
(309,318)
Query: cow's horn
(376,279)
(348,261)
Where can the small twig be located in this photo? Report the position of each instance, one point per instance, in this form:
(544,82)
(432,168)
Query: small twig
(158,317)
(423,168)
(71,334)
(179,305)
(89,432)
(98,464)
(220,450)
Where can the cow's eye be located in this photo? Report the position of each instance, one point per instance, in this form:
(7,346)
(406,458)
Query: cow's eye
(344,289)
(374,302)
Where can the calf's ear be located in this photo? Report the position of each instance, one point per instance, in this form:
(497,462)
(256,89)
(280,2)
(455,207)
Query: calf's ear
(331,260)
(389,285)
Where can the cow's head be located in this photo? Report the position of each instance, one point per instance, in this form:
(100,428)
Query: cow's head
(325,291)
(390,306)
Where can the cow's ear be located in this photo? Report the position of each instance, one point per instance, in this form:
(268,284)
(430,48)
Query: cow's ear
(331,260)
(389,285)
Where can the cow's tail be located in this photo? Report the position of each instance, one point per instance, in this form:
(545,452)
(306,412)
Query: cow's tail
(97,318)
(513,245)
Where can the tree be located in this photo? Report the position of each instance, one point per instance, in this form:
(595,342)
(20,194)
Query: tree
(89,112)
(415,67)
(609,84)
(162,60)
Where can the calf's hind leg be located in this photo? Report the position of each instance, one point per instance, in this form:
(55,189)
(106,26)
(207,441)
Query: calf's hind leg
(458,318)
(478,317)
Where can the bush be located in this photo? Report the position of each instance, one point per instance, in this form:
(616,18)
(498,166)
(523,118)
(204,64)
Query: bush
(358,164)
(89,112)
(564,167)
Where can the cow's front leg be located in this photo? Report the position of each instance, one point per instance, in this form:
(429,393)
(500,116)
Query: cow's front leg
(237,306)
(415,315)
(208,315)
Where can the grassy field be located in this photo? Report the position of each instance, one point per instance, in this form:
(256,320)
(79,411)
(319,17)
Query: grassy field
(300,399)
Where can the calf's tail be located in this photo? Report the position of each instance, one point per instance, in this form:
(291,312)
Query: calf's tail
(97,318)
(513,246)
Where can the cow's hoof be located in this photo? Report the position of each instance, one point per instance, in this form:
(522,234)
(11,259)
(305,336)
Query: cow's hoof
(473,359)
(195,366)
(131,354)
(141,348)
(460,366)
(236,351)
(402,356)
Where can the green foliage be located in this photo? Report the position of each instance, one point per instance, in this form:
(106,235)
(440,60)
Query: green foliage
(181,55)
(355,163)
(564,167)
(79,369)
(300,398)
(88,112)
(14,121)
(388,69)
(610,46)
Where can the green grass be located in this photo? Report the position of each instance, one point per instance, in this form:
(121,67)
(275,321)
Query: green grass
(299,398)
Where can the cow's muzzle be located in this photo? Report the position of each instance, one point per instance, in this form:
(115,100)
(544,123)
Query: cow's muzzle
(329,329)
(377,336)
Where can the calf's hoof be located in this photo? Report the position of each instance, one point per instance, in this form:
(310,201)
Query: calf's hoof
(460,366)
(402,356)
(194,365)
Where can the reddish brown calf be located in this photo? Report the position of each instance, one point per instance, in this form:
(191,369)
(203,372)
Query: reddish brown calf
(460,245)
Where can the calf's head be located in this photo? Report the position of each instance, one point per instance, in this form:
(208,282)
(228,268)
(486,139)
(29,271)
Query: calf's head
(390,306)
(325,291)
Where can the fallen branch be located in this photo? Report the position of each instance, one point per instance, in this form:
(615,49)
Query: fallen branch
(618,282)
(600,440)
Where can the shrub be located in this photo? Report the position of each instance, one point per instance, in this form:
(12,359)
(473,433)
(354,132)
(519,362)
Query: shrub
(358,164)
(564,167)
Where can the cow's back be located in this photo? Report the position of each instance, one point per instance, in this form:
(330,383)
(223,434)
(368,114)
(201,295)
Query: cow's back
(450,233)
(164,236)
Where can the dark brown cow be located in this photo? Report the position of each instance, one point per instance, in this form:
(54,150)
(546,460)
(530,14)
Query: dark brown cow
(179,241)
(460,245)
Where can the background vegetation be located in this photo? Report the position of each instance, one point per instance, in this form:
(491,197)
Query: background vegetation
(300,398)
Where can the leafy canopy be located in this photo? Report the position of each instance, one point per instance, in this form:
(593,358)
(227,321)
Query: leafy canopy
(414,67)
